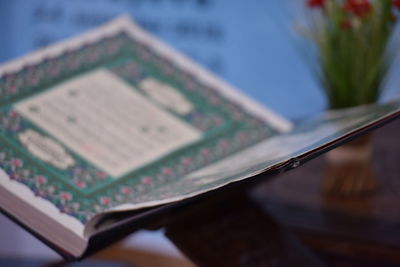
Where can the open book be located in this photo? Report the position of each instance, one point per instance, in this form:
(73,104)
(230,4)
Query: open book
(114,120)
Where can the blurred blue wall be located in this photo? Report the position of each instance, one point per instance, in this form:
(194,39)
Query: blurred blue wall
(242,41)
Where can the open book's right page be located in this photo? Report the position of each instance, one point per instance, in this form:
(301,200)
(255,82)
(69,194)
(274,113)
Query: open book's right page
(307,137)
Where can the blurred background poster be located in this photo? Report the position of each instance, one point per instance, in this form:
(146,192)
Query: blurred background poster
(245,42)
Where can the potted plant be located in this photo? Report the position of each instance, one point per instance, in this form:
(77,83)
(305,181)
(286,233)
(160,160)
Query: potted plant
(354,43)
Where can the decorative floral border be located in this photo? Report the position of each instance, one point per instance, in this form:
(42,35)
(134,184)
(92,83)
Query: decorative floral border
(241,128)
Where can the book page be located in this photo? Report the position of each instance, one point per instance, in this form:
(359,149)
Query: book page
(110,117)
(99,117)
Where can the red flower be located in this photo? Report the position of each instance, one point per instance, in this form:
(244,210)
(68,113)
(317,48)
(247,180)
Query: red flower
(41,179)
(167,171)
(360,8)
(205,152)
(105,200)
(126,190)
(316,3)
(101,175)
(147,180)
(186,161)
(13,114)
(12,89)
(16,162)
(80,184)
(396,3)
(66,196)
